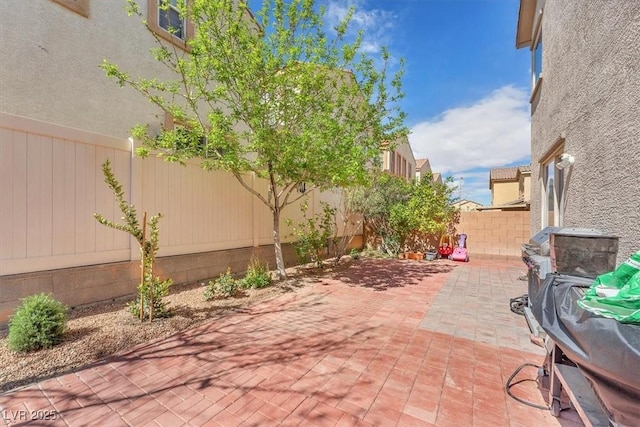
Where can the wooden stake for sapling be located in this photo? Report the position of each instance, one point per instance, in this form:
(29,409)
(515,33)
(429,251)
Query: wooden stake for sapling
(143,264)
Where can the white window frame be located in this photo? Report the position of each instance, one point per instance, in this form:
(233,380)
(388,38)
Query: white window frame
(558,189)
(536,78)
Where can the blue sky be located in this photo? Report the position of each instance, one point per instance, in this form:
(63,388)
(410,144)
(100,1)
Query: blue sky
(466,86)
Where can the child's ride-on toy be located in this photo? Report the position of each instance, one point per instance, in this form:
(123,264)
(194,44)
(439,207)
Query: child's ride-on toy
(445,249)
(460,253)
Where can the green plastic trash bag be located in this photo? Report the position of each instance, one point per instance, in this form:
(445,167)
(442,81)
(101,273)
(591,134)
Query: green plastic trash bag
(621,275)
(617,294)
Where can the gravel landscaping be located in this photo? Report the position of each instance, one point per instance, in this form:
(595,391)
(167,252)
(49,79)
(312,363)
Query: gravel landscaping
(99,331)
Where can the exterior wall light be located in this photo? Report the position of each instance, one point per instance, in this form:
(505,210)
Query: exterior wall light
(566,160)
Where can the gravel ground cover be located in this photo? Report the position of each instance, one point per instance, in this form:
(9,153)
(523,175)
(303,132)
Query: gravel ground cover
(99,331)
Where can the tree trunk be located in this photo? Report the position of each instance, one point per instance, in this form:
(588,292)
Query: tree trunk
(275,210)
(282,274)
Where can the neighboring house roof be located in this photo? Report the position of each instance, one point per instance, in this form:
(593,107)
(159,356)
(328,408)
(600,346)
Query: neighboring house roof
(437,177)
(525,168)
(517,204)
(421,162)
(503,174)
(508,174)
(465,201)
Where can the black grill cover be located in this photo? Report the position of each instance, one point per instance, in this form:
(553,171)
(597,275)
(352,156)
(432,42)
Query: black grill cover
(606,352)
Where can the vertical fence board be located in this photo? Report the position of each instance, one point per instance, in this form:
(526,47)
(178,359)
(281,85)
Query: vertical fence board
(6,193)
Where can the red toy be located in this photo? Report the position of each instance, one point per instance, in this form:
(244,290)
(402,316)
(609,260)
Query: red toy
(446,247)
(460,253)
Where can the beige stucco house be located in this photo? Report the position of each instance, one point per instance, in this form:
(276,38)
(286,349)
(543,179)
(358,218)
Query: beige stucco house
(585,115)
(465,205)
(423,167)
(510,187)
(400,160)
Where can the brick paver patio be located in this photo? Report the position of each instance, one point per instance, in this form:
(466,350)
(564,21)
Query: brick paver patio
(383,343)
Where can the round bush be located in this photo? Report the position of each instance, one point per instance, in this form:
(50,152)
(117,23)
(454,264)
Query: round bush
(39,322)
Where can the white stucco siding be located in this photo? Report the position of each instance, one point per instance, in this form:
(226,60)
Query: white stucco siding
(591,94)
(50,65)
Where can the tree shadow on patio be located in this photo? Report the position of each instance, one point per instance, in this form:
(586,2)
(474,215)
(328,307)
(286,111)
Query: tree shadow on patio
(383,274)
(288,344)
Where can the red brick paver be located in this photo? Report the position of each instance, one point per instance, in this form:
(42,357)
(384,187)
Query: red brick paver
(356,349)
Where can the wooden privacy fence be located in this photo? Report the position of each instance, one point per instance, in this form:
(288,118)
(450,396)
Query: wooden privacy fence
(51,184)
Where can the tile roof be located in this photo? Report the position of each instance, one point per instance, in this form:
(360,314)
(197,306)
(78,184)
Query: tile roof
(421,162)
(500,174)
(507,174)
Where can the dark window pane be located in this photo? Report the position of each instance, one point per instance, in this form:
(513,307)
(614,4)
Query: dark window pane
(171,21)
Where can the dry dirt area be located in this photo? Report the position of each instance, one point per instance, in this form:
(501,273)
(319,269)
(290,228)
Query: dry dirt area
(99,331)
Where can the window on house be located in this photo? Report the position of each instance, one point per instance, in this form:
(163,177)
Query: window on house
(552,195)
(185,139)
(536,67)
(536,54)
(169,18)
(166,21)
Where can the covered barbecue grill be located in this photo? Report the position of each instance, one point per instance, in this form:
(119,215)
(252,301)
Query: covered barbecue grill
(594,359)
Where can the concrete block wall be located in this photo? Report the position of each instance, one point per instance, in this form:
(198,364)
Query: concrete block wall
(92,284)
(79,286)
(495,234)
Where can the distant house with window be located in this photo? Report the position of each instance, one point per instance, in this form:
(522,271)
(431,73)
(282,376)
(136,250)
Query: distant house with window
(423,167)
(399,161)
(585,115)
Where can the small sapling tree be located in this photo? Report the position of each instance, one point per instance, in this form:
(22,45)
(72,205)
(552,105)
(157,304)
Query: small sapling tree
(151,290)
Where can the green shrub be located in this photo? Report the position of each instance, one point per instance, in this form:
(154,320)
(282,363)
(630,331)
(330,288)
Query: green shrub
(224,286)
(257,275)
(355,254)
(39,322)
(312,234)
(156,288)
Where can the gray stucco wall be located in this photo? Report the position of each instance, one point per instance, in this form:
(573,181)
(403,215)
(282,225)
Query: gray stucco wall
(591,93)
(50,65)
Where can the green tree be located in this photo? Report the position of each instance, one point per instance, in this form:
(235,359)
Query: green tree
(429,210)
(274,96)
(381,203)
(397,210)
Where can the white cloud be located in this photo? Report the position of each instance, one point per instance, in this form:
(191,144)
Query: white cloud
(375,23)
(493,132)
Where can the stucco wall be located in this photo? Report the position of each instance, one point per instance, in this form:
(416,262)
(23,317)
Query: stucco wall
(504,192)
(50,65)
(591,93)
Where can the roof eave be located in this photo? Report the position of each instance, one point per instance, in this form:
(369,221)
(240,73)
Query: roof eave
(526,15)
